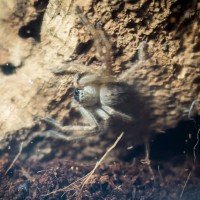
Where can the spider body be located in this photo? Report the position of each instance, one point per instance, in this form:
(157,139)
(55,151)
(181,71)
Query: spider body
(95,96)
(103,94)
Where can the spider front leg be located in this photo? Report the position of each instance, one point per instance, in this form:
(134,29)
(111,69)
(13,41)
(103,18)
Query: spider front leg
(80,131)
(73,67)
(108,97)
(93,78)
(115,113)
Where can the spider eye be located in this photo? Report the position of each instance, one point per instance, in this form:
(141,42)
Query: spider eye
(77,94)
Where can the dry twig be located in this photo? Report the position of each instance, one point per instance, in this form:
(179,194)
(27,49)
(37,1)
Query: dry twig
(15,159)
(85,180)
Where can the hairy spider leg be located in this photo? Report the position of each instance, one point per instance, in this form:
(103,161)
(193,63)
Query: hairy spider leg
(94,79)
(144,59)
(147,161)
(93,124)
(106,111)
(104,48)
(115,113)
(59,135)
(85,130)
(105,106)
(102,114)
(73,67)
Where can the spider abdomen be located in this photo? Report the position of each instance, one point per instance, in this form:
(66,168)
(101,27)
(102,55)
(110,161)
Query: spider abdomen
(111,94)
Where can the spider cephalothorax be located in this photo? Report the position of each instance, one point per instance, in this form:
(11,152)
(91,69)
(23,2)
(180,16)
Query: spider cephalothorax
(87,96)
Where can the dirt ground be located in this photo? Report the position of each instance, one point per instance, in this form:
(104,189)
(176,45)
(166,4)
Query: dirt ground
(174,161)
(115,181)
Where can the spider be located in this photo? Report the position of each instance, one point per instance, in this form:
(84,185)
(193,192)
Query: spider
(97,95)
(102,98)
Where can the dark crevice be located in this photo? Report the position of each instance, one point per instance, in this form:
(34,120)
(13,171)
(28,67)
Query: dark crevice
(33,28)
(197,46)
(176,142)
(8,69)
(196,80)
(83,48)
(119,10)
(179,10)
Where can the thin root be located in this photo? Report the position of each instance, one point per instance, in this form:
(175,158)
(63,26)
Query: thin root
(195,146)
(181,195)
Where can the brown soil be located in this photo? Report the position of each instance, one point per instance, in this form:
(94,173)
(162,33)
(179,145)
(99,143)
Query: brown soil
(33,180)
(176,171)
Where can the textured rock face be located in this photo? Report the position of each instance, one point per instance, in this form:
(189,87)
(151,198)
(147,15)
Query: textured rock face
(39,35)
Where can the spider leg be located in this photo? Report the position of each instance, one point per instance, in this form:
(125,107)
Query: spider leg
(144,59)
(82,130)
(88,79)
(102,114)
(102,44)
(147,161)
(113,112)
(73,67)
(59,135)
(70,128)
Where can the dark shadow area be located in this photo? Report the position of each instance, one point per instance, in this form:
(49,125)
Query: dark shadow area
(33,28)
(179,141)
(8,69)
(83,48)
(180,10)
